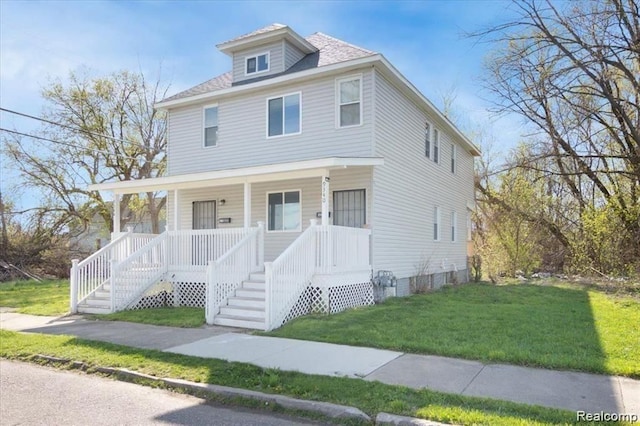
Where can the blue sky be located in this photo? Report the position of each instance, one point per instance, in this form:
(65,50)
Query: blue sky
(42,41)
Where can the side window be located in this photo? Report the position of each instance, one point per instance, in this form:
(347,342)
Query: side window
(436,223)
(427,140)
(454,154)
(210,131)
(454,220)
(349,101)
(436,145)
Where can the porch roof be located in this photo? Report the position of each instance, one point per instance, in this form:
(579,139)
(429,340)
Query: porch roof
(264,173)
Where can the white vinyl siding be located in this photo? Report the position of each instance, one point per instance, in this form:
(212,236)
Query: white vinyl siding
(291,55)
(349,101)
(407,188)
(242,135)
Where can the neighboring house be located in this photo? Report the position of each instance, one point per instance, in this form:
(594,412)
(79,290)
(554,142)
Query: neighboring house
(301,129)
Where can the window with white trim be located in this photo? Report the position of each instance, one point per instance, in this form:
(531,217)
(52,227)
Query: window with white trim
(436,145)
(454,153)
(257,64)
(427,140)
(349,101)
(283,115)
(284,211)
(210,132)
(436,223)
(454,222)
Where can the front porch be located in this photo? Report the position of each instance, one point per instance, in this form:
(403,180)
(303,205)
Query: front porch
(286,260)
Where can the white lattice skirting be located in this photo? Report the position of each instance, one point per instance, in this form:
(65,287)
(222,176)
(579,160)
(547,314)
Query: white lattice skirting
(332,293)
(180,289)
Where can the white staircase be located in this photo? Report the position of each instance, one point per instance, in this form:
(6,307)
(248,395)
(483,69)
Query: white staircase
(246,308)
(99,302)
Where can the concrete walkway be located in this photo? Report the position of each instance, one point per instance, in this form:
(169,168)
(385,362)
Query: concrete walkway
(573,391)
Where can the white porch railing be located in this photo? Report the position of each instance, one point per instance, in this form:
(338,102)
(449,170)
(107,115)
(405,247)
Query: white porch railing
(319,249)
(94,271)
(226,274)
(193,249)
(131,277)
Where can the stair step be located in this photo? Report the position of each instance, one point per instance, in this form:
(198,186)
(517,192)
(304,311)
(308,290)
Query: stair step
(247,302)
(251,293)
(98,302)
(257,276)
(243,312)
(102,294)
(86,309)
(253,285)
(233,321)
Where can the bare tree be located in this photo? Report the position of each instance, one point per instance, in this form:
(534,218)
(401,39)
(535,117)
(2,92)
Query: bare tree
(572,70)
(98,130)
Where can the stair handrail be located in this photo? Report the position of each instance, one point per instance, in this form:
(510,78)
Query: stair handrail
(141,270)
(89,274)
(287,277)
(225,274)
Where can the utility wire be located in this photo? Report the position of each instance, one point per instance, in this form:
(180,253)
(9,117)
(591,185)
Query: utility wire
(67,144)
(75,129)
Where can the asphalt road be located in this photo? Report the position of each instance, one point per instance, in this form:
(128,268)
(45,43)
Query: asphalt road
(35,395)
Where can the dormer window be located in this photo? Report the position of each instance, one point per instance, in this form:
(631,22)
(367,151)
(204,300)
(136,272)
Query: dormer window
(256,64)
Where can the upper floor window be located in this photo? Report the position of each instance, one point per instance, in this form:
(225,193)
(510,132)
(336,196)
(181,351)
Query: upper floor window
(211,126)
(283,211)
(256,64)
(427,140)
(283,115)
(349,105)
(454,222)
(454,154)
(436,145)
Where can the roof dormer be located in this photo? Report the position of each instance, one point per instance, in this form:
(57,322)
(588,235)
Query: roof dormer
(268,51)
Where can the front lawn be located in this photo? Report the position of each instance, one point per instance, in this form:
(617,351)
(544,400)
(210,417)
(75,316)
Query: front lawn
(49,297)
(371,397)
(559,326)
(173,317)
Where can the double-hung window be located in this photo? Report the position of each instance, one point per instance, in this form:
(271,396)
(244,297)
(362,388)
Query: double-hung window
(454,220)
(256,64)
(283,211)
(454,153)
(436,223)
(427,140)
(210,131)
(436,145)
(349,101)
(283,115)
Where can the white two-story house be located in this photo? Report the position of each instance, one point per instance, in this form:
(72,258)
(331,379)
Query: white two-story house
(292,180)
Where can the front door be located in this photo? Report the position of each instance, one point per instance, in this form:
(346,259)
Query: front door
(202,246)
(349,208)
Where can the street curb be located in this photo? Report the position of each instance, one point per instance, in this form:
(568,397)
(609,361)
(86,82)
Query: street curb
(327,409)
(392,419)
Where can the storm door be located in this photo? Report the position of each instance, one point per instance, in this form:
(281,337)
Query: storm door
(203,244)
(349,208)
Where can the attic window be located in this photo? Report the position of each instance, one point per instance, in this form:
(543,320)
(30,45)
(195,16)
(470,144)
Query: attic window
(256,64)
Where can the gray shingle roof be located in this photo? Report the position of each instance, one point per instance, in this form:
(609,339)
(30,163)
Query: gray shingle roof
(268,28)
(330,51)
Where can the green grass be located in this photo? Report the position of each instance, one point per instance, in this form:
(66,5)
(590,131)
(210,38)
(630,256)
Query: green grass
(173,317)
(553,326)
(371,397)
(49,297)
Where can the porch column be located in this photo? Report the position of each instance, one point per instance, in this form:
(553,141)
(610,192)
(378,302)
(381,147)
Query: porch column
(325,198)
(176,209)
(247,205)
(116,213)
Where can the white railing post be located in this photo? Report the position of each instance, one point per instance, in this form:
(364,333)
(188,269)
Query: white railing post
(129,242)
(260,243)
(73,284)
(268,284)
(112,282)
(209,314)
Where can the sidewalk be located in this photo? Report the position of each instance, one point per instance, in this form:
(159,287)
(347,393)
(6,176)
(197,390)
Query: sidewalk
(572,391)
